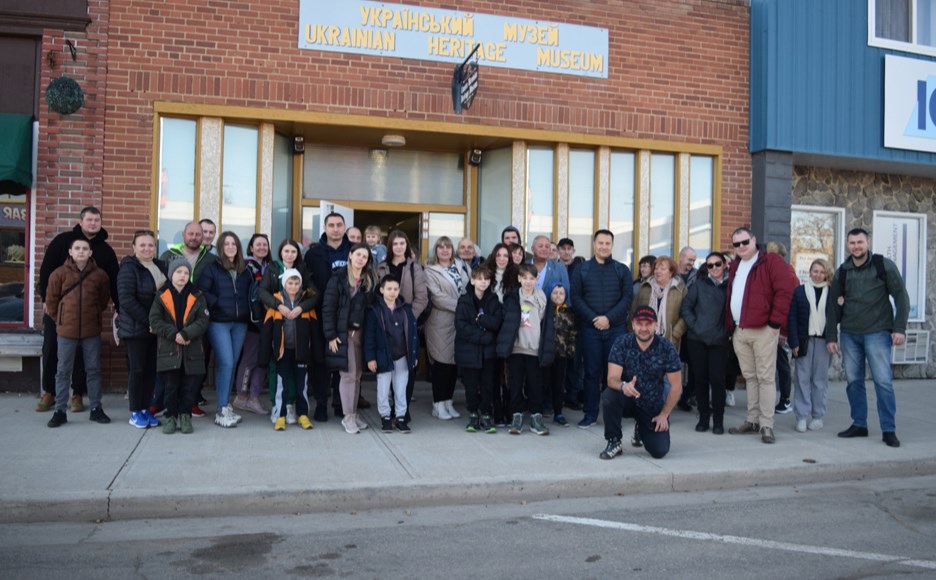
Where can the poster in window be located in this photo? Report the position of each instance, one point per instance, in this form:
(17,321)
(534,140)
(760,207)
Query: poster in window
(901,237)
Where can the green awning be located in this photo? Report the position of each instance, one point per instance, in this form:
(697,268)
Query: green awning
(16,149)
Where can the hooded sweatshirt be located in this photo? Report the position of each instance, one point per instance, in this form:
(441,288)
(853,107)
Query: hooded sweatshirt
(532,309)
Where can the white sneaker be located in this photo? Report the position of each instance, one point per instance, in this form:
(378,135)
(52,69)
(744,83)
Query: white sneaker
(451,409)
(224,418)
(361,423)
(237,418)
(801,426)
(440,412)
(350,425)
(290,414)
(815,425)
(729,399)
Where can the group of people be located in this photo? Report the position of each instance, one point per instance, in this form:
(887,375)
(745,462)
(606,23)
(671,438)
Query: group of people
(529,334)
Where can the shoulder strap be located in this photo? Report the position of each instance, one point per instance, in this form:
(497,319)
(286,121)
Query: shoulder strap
(878,261)
(81,279)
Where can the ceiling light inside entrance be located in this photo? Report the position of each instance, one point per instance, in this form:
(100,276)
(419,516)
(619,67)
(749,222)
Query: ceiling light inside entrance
(391,140)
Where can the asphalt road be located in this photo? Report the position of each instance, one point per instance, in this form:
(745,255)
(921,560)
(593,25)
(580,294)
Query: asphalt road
(876,529)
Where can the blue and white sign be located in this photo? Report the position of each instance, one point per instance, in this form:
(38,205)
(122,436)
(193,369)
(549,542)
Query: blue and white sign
(414,32)
(909,103)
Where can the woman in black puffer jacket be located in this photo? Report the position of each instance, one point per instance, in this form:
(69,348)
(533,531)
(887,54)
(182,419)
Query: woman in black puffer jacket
(138,279)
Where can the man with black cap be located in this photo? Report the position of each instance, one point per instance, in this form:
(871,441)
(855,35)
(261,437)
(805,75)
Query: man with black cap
(637,365)
(567,255)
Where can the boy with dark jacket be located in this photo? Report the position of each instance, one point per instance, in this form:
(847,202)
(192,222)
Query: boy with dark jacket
(179,318)
(77,295)
(478,319)
(554,375)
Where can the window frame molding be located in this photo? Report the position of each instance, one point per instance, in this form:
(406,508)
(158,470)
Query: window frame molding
(909,47)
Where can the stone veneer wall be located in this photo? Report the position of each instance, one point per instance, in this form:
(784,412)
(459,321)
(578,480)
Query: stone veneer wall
(861,193)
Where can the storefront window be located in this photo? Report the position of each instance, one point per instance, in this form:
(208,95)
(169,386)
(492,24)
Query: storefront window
(539,193)
(445,224)
(13,220)
(621,206)
(701,187)
(311,229)
(662,203)
(493,197)
(176,179)
(581,200)
(282,189)
(239,180)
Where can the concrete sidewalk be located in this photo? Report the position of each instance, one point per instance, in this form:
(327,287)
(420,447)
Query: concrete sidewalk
(86,471)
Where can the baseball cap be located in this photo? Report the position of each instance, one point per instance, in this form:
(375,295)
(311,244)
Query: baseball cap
(645,313)
(565,242)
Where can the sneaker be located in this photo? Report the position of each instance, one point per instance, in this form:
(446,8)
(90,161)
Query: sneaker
(279,424)
(474,423)
(516,426)
(153,421)
(537,426)
(815,425)
(767,436)
(197,412)
(200,400)
(291,415)
(361,423)
(98,416)
(612,450)
(801,426)
(350,425)
(559,419)
(305,423)
(402,425)
(170,427)
(156,411)
(636,440)
(237,418)
(729,399)
(487,423)
(225,418)
(254,406)
(321,413)
(185,424)
(440,412)
(139,420)
(240,403)
(76,403)
(451,410)
(386,425)
(58,419)
(783,407)
(746,428)
(46,403)
(587,422)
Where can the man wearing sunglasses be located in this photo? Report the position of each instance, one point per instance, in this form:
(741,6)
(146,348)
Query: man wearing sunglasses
(760,287)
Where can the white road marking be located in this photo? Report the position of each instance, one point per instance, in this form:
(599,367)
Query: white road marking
(769,544)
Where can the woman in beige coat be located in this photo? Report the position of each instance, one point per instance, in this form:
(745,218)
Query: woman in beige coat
(664,292)
(446,283)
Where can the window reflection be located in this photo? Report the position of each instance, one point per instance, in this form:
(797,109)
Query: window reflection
(662,203)
(176,205)
(239,181)
(13,220)
(701,187)
(621,205)
(445,224)
(539,193)
(493,197)
(282,189)
(581,200)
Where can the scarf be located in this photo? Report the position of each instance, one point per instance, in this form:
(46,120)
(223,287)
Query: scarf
(817,318)
(455,277)
(658,296)
(499,283)
(154,270)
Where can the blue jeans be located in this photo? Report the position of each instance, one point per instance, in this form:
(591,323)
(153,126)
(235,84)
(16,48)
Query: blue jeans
(596,346)
(875,347)
(227,340)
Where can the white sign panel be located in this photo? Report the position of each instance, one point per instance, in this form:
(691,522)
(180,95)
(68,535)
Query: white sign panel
(909,103)
(414,32)
(902,238)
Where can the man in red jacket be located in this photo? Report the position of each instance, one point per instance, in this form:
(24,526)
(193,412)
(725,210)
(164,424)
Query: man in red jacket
(760,288)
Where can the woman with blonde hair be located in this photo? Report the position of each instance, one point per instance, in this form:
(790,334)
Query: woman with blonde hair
(664,292)
(806,326)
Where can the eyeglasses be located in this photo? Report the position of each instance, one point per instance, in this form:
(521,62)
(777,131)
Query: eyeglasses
(741,243)
(714,264)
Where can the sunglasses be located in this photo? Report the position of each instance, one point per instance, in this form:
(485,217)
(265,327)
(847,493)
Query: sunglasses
(714,264)
(741,243)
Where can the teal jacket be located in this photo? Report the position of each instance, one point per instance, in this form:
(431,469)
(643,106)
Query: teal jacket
(866,307)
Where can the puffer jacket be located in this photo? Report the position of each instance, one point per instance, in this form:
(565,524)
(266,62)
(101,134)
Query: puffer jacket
(376,347)
(767,294)
(77,298)
(702,311)
(341,315)
(602,290)
(412,284)
(270,285)
(675,325)
(476,334)
(272,339)
(228,299)
(163,320)
(137,290)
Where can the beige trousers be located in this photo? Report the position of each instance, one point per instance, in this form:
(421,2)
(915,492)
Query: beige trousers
(757,355)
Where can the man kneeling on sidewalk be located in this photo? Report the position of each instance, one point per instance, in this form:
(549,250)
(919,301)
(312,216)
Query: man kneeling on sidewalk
(645,359)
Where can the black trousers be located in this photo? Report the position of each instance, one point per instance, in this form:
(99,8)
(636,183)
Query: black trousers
(141,356)
(479,387)
(180,391)
(554,383)
(523,370)
(500,397)
(784,373)
(616,406)
(709,363)
(443,381)
(79,380)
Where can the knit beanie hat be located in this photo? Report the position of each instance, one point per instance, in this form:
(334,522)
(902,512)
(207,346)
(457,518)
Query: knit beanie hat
(290,273)
(179,263)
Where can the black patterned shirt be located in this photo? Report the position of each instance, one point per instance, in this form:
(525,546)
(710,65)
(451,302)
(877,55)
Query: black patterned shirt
(650,366)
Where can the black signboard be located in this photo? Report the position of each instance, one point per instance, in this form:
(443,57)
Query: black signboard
(465,83)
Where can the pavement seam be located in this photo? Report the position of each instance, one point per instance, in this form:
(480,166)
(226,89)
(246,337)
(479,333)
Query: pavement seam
(110,486)
(385,443)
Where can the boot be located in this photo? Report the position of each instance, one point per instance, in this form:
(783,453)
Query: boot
(703,425)
(718,425)
(451,410)
(440,412)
